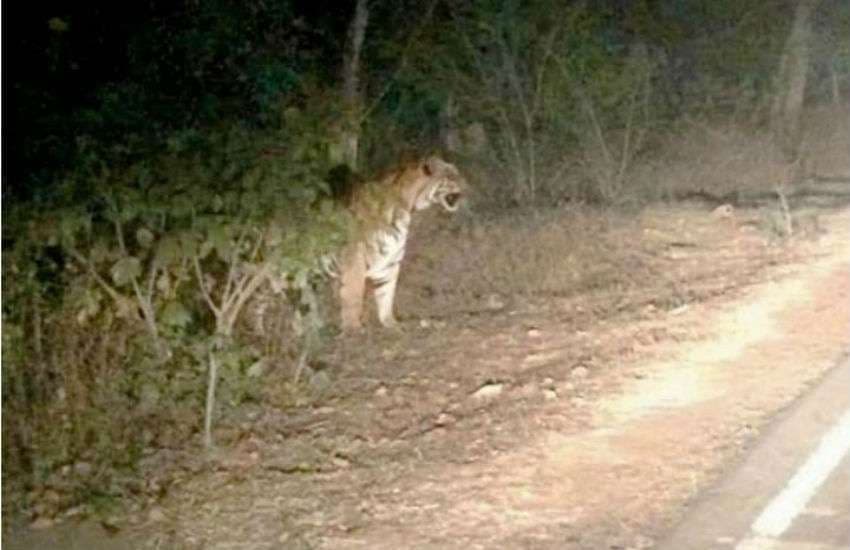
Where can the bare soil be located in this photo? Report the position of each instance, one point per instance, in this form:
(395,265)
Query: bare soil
(578,422)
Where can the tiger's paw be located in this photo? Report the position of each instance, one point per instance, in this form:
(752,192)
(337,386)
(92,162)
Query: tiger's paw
(391,323)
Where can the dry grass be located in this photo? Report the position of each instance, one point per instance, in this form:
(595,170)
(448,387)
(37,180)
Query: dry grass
(827,141)
(481,261)
(474,266)
(724,157)
(715,158)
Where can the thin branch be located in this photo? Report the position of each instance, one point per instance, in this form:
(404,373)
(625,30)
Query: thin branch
(229,298)
(509,62)
(114,294)
(626,153)
(204,292)
(154,269)
(210,401)
(119,233)
(504,119)
(597,128)
(547,54)
(786,212)
(231,270)
(254,283)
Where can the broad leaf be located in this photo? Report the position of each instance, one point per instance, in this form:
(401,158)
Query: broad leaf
(175,314)
(168,251)
(144,237)
(125,270)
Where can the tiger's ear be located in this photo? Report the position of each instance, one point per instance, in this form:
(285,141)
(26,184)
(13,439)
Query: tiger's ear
(433,166)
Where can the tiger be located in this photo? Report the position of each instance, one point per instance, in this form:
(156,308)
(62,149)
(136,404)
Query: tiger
(382,212)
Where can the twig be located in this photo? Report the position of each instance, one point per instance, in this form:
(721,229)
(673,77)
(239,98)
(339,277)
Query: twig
(145,302)
(786,212)
(247,291)
(504,120)
(114,294)
(210,402)
(626,153)
(204,292)
(228,299)
(232,267)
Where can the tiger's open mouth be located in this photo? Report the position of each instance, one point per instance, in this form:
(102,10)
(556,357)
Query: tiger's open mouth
(450,201)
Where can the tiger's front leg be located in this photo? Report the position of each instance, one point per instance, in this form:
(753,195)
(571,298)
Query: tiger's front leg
(352,287)
(385,286)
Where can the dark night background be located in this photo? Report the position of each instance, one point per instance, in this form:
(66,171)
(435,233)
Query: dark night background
(168,63)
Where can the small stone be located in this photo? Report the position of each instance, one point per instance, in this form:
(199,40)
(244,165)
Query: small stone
(533,333)
(549,395)
(156,514)
(42,523)
(495,302)
(112,524)
(444,419)
(723,211)
(74,512)
(425,323)
(579,372)
(679,310)
(320,381)
(381,392)
(642,543)
(83,469)
(488,391)
(340,462)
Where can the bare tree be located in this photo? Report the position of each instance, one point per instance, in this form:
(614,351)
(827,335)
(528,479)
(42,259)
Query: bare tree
(791,80)
(348,133)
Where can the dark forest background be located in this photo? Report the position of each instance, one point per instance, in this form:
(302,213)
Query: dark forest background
(166,172)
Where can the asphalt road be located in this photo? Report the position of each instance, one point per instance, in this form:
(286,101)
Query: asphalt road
(792,489)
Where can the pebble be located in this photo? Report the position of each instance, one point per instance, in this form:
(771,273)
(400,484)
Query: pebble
(579,372)
(488,391)
(156,514)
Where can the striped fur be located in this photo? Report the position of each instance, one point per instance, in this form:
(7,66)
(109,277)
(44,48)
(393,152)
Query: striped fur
(383,210)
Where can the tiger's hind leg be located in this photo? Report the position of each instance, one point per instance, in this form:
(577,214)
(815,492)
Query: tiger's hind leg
(352,286)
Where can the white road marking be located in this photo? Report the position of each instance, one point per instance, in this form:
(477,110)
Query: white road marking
(781,511)
(758,543)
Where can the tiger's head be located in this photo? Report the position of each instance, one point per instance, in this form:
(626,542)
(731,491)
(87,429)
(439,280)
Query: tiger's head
(436,182)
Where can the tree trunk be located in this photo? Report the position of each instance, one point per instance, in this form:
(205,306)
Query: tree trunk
(348,134)
(787,108)
(449,135)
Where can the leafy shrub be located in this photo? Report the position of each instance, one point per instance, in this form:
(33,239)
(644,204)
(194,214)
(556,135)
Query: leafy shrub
(123,289)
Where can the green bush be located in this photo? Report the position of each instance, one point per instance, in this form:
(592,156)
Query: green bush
(123,290)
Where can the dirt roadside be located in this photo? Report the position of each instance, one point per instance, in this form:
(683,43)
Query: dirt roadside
(648,448)
(542,452)
(525,429)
